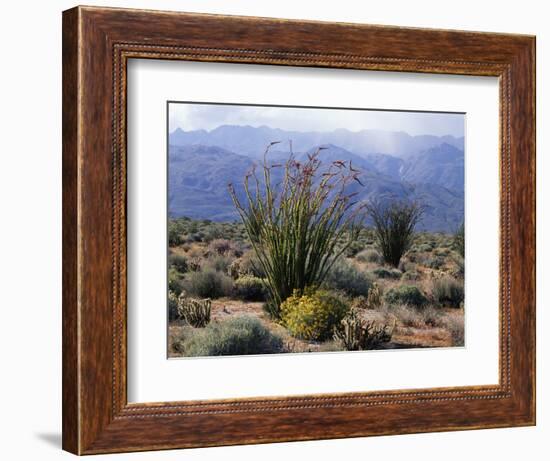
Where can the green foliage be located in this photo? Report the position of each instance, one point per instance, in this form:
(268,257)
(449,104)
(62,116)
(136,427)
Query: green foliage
(353,249)
(406,294)
(299,229)
(186,230)
(179,263)
(250,288)
(345,276)
(383,273)
(237,336)
(175,231)
(448,291)
(356,334)
(196,312)
(174,281)
(394,227)
(313,315)
(207,284)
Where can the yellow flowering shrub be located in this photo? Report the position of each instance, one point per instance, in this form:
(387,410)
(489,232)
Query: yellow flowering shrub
(314,314)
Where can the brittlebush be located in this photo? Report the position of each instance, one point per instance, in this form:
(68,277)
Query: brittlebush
(313,315)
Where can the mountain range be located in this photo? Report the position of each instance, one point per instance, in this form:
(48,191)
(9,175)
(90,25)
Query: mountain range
(393,165)
(251,141)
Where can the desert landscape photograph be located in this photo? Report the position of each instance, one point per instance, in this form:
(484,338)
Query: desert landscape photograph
(311,230)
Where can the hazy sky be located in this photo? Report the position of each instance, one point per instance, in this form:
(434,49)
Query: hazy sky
(190,116)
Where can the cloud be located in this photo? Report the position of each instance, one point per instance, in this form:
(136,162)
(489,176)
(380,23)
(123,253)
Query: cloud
(197,116)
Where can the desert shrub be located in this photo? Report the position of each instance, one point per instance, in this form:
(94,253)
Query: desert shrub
(345,276)
(383,273)
(217,262)
(213,233)
(247,264)
(299,229)
(407,315)
(406,294)
(394,225)
(424,247)
(448,291)
(435,263)
(441,252)
(207,284)
(356,334)
(313,315)
(174,281)
(250,288)
(174,234)
(196,312)
(459,262)
(353,248)
(369,256)
(179,263)
(220,246)
(411,275)
(417,318)
(173,312)
(194,264)
(406,265)
(455,326)
(195,237)
(432,317)
(237,336)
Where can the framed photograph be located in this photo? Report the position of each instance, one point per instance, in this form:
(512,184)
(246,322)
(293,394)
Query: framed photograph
(284,230)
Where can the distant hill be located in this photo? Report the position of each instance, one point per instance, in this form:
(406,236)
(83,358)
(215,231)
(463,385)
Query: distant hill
(442,165)
(251,141)
(199,176)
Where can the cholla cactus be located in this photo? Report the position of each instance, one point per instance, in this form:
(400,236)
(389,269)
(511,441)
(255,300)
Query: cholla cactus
(234,269)
(356,334)
(374,297)
(196,312)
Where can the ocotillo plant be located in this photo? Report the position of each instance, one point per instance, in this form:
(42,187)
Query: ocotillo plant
(300,226)
(394,227)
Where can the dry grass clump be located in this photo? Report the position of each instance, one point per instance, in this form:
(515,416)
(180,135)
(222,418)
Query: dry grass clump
(408,316)
(455,325)
(448,291)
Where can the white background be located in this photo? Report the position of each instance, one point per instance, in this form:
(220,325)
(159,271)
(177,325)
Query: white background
(30,245)
(152,378)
